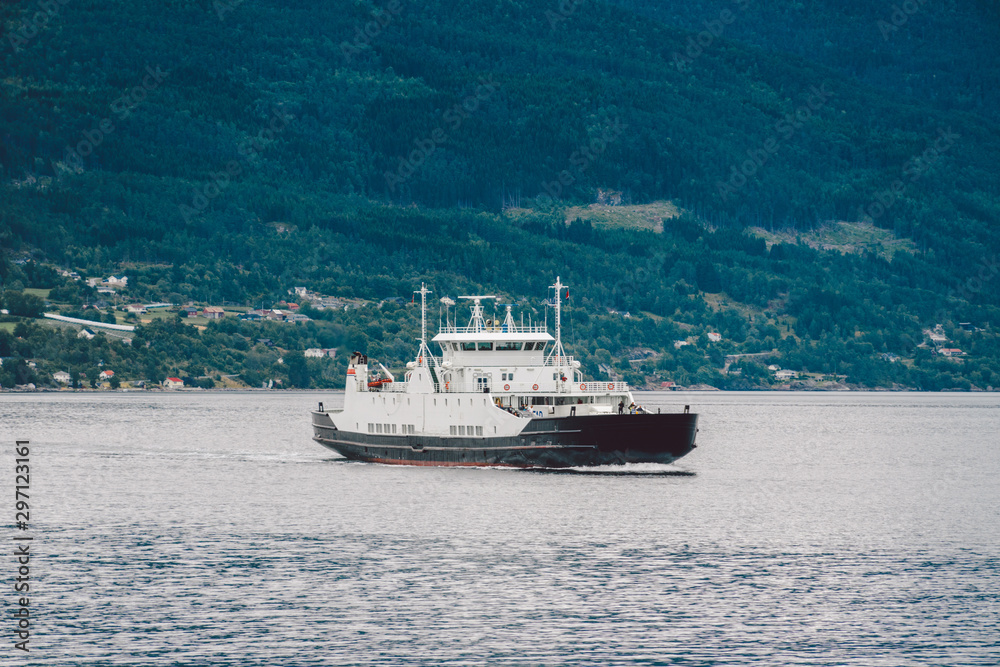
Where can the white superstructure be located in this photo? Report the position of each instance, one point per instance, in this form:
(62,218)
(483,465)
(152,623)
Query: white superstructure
(490,379)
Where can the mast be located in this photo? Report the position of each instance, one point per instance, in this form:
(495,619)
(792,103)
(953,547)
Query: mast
(424,351)
(557,350)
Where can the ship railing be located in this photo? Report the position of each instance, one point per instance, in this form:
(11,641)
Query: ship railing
(499,328)
(564,361)
(527,388)
(493,387)
(600,387)
(394,387)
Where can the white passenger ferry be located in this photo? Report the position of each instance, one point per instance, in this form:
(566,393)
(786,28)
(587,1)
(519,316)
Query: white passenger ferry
(498,394)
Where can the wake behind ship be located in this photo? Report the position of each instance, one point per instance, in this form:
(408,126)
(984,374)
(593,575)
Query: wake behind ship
(499,394)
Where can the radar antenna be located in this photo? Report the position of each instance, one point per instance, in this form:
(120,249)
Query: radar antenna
(476,323)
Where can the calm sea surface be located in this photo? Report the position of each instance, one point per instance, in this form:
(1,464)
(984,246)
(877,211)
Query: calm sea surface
(806,529)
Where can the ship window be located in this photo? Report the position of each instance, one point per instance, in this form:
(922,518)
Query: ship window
(469,429)
(529,346)
(540,347)
(386,427)
(508,346)
(461,430)
(371,428)
(378,428)
(479,430)
(394,429)
(453,430)
(469,347)
(485,346)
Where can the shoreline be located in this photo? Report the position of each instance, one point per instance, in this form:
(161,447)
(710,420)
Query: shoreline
(713,390)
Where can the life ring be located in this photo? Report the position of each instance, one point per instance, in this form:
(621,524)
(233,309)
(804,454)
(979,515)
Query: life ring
(534,387)
(583,387)
(611,386)
(506,387)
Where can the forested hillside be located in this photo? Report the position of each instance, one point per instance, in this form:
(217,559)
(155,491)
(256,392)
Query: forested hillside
(230,150)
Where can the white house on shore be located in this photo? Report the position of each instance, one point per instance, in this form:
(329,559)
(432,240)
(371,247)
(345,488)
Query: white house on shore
(173,383)
(321,352)
(62,377)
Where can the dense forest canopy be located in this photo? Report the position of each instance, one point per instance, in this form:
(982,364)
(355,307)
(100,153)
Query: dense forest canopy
(229,150)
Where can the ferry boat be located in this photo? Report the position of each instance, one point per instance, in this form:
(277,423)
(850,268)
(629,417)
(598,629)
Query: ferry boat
(498,394)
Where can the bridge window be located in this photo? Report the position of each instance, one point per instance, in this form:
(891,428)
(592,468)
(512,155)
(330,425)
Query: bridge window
(461,430)
(479,430)
(485,346)
(469,347)
(529,346)
(378,428)
(453,430)
(505,347)
(371,428)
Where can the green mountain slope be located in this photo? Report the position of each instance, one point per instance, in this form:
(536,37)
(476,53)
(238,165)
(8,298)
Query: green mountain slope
(231,150)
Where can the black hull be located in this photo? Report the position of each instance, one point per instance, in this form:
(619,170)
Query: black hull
(545,443)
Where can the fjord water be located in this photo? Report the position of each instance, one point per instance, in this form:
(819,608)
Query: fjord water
(805,529)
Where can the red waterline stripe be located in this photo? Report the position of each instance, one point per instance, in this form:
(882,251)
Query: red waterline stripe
(467,464)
